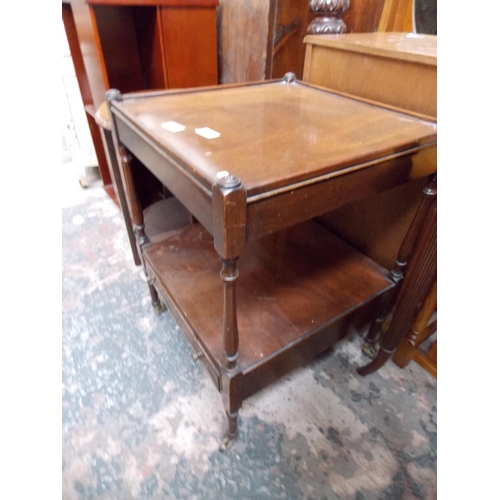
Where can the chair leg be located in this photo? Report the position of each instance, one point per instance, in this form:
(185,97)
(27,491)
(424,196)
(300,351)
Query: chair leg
(418,332)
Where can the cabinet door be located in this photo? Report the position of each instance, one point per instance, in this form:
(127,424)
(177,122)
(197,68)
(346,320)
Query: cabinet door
(190,45)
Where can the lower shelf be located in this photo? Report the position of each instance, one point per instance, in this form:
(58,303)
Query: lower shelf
(293,286)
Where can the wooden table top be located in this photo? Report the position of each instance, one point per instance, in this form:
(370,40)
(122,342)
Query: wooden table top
(406,46)
(271,134)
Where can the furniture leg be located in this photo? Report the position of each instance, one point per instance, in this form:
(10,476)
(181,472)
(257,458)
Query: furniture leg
(120,191)
(429,193)
(229,208)
(232,376)
(138,220)
(418,331)
(420,276)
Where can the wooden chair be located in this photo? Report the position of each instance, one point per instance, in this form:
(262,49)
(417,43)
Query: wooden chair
(420,331)
(398,15)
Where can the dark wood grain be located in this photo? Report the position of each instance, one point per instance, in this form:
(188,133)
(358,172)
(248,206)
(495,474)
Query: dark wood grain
(243,39)
(290,28)
(151,47)
(256,142)
(421,274)
(197,200)
(115,36)
(315,200)
(282,152)
(406,251)
(292,294)
(261,39)
(229,215)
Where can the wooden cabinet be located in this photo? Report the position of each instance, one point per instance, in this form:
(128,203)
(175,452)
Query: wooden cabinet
(136,45)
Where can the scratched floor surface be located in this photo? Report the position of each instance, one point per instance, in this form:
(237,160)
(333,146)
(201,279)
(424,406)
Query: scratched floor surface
(141,419)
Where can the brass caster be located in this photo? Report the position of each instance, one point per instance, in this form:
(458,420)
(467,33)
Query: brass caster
(226,443)
(159,308)
(371,350)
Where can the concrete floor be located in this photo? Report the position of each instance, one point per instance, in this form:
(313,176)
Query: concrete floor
(141,419)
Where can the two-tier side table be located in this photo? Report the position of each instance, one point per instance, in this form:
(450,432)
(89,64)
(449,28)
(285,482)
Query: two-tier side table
(256,284)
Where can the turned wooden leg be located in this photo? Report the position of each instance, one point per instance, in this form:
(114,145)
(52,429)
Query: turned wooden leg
(124,170)
(421,274)
(418,331)
(229,230)
(429,193)
(138,221)
(232,376)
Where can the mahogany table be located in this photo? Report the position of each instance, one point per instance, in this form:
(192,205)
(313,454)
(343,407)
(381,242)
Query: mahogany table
(256,284)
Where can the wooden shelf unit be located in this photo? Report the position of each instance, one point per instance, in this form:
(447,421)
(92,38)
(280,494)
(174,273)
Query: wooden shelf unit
(137,45)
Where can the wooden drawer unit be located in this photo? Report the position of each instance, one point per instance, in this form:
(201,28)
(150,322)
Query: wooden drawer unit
(397,69)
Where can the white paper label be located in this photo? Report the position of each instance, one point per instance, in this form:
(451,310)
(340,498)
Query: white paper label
(207,133)
(173,127)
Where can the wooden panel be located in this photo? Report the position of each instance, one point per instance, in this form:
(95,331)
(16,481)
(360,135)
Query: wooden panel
(305,349)
(377,225)
(397,15)
(117,43)
(100,154)
(243,37)
(292,19)
(76,54)
(376,78)
(86,94)
(363,16)
(315,199)
(275,46)
(185,32)
(89,50)
(402,46)
(294,295)
(149,39)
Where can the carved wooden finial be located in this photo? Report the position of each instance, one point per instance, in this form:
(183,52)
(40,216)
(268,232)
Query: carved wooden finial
(327,20)
(289,77)
(226,180)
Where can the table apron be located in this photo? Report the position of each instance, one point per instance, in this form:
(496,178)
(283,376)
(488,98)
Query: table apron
(187,189)
(273,214)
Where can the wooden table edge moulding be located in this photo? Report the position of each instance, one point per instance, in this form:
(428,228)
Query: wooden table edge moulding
(256,285)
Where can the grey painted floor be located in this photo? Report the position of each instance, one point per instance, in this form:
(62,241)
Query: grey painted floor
(141,419)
